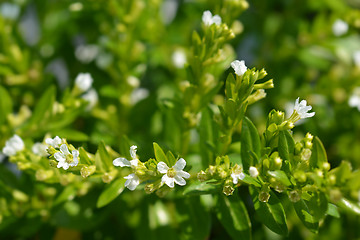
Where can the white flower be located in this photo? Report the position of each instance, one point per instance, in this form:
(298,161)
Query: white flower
(340,27)
(237,173)
(123,162)
(83,81)
(86,53)
(208,19)
(138,94)
(354,100)
(65,158)
(132,181)
(13,145)
(55,142)
(356,56)
(40,149)
(91,97)
(9,10)
(253,172)
(178,58)
(239,67)
(174,174)
(302,110)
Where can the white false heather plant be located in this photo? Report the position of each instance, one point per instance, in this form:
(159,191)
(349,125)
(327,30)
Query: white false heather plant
(13,145)
(239,67)
(65,158)
(83,81)
(175,174)
(208,19)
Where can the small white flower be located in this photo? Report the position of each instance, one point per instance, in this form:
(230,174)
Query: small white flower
(83,81)
(354,100)
(65,158)
(302,110)
(13,145)
(253,172)
(178,58)
(86,53)
(40,149)
(132,181)
(138,94)
(9,10)
(208,19)
(123,162)
(174,174)
(340,27)
(356,56)
(91,97)
(239,67)
(55,142)
(237,173)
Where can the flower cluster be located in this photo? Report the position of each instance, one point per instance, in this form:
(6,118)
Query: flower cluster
(83,82)
(208,19)
(60,151)
(239,67)
(14,145)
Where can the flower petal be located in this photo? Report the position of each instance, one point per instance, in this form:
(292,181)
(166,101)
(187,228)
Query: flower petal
(183,174)
(180,164)
(64,149)
(133,151)
(235,178)
(179,180)
(134,163)
(60,157)
(9,151)
(122,162)
(132,181)
(162,167)
(168,181)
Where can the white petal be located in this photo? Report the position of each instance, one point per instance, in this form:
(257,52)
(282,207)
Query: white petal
(63,165)
(207,18)
(9,151)
(39,149)
(134,163)
(180,164)
(216,19)
(75,153)
(183,174)
(122,162)
(56,141)
(132,181)
(162,167)
(17,143)
(235,178)
(133,151)
(64,149)
(239,67)
(83,81)
(59,157)
(168,181)
(179,180)
(241,176)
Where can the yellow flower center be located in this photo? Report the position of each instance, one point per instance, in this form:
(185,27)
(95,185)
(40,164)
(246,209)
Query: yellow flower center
(171,173)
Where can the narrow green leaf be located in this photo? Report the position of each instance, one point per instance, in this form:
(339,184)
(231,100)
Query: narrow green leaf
(271,214)
(160,155)
(84,158)
(250,141)
(318,156)
(233,215)
(67,194)
(171,158)
(333,210)
(303,212)
(286,145)
(5,104)
(111,192)
(104,156)
(43,106)
(201,188)
(125,147)
(349,206)
(280,176)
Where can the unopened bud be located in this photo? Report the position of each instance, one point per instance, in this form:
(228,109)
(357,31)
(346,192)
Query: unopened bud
(305,154)
(149,188)
(211,170)
(277,163)
(300,176)
(262,73)
(87,171)
(51,150)
(53,163)
(335,195)
(108,176)
(309,137)
(228,190)
(326,166)
(20,196)
(42,175)
(264,196)
(253,172)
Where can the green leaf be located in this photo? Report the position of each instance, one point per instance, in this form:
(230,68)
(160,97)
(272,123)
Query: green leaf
(318,156)
(5,104)
(280,176)
(43,106)
(171,158)
(84,158)
(349,206)
(303,212)
(71,134)
(160,155)
(250,141)
(286,145)
(271,214)
(201,188)
(333,210)
(125,147)
(233,215)
(193,217)
(66,195)
(104,156)
(208,132)
(111,192)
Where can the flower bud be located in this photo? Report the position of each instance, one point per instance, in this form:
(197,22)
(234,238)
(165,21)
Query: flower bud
(228,190)
(253,172)
(87,171)
(305,154)
(335,195)
(108,176)
(42,175)
(300,176)
(20,196)
(202,176)
(53,163)
(326,166)
(264,196)
(211,170)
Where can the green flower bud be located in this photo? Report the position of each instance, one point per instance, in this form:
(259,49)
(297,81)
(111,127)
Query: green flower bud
(264,196)
(305,154)
(326,166)
(42,175)
(335,195)
(109,176)
(300,176)
(87,171)
(202,176)
(53,163)
(20,196)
